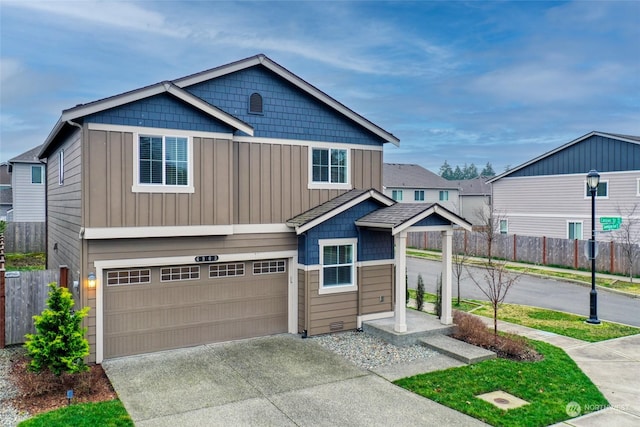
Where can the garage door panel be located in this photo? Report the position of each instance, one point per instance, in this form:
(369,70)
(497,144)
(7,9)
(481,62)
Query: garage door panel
(141,318)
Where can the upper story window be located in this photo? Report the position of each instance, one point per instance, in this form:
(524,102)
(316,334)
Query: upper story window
(601,191)
(396,195)
(164,164)
(255,103)
(337,265)
(443,196)
(37,174)
(418,195)
(61,167)
(329,168)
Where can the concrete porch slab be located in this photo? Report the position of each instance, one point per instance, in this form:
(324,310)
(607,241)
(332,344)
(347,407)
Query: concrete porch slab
(457,349)
(419,325)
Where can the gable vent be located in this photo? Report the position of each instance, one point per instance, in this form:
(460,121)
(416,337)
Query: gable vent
(255,103)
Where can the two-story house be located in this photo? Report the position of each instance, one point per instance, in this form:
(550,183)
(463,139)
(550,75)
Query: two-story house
(236,202)
(548,196)
(410,183)
(28,187)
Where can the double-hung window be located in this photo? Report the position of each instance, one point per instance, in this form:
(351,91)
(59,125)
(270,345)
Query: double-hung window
(396,195)
(164,164)
(443,195)
(329,168)
(601,191)
(504,226)
(418,195)
(574,230)
(337,265)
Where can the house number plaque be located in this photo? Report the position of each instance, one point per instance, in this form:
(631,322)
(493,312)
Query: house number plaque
(206,258)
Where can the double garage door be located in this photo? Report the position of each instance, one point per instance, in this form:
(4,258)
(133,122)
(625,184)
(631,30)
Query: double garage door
(150,309)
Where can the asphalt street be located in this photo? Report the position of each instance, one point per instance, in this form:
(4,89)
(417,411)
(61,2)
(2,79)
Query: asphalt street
(535,291)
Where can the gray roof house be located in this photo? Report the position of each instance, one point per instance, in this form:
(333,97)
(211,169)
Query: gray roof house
(474,199)
(548,195)
(28,182)
(410,183)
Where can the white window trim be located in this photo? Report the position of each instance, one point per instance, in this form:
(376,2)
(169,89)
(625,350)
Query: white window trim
(354,275)
(587,194)
(576,221)
(638,187)
(397,192)
(415,193)
(41,175)
(506,231)
(137,187)
(314,185)
(61,167)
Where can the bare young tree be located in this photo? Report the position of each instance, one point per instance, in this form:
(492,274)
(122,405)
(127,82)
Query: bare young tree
(628,236)
(459,257)
(489,225)
(495,284)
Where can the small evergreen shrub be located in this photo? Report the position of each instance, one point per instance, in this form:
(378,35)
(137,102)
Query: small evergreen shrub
(59,344)
(420,293)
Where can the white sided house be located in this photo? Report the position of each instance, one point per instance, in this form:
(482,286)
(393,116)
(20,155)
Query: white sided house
(28,183)
(548,196)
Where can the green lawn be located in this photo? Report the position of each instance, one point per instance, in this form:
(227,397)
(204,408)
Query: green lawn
(105,414)
(24,262)
(548,386)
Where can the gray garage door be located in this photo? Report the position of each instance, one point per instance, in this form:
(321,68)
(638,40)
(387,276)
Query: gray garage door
(159,308)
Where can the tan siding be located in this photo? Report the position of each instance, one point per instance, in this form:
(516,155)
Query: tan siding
(332,308)
(375,282)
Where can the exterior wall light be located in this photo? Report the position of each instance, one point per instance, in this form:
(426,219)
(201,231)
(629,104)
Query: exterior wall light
(91,280)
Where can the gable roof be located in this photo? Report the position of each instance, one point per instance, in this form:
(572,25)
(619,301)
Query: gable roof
(401,216)
(625,138)
(400,175)
(473,187)
(29,156)
(176,88)
(333,207)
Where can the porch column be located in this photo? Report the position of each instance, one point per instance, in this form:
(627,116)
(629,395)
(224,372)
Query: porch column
(446,317)
(401,284)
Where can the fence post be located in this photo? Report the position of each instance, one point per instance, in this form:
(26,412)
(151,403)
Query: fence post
(64,277)
(514,248)
(575,254)
(544,250)
(2,293)
(611,258)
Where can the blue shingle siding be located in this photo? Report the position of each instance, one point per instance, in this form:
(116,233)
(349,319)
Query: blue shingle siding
(288,112)
(302,249)
(342,226)
(596,152)
(160,111)
(433,220)
(374,245)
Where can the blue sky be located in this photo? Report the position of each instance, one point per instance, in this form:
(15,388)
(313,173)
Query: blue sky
(467,82)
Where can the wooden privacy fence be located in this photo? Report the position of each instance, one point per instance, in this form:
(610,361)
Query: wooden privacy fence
(25,237)
(26,295)
(531,249)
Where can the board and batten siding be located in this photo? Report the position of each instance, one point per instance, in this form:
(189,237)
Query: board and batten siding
(110,201)
(64,206)
(543,205)
(152,248)
(28,198)
(271,181)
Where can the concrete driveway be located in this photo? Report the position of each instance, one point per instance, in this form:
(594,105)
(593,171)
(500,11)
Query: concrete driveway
(273,381)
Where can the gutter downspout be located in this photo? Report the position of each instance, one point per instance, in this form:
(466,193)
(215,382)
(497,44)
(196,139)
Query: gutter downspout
(81,234)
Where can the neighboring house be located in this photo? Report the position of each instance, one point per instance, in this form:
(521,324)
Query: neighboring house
(548,196)
(236,202)
(28,182)
(409,183)
(6,196)
(474,199)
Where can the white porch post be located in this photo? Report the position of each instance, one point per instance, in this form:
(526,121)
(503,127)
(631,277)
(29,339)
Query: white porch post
(401,284)
(446,317)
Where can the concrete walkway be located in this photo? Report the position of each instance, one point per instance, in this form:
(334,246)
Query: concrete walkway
(613,366)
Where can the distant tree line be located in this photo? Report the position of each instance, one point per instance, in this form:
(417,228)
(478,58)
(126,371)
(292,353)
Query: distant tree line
(466,172)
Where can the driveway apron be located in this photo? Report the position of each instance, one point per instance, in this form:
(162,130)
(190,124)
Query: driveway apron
(272,381)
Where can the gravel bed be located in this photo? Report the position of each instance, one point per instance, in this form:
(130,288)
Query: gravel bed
(368,352)
(9,417)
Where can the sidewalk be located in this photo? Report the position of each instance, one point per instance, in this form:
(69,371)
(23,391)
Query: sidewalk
(613,366)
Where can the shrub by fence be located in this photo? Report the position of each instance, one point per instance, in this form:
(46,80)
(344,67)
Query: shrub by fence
(530,249)
(25,237)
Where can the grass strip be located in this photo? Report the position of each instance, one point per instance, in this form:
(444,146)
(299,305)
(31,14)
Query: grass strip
(25,262)
(110,413)
(548,385)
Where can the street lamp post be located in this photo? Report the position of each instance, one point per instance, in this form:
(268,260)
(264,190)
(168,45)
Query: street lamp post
(593,179)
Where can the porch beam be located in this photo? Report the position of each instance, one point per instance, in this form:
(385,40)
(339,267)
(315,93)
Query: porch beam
(446,315)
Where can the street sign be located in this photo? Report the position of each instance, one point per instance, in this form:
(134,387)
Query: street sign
(610,223)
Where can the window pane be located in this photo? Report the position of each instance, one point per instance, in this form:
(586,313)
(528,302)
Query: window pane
(330,255)
(602,190)
(36,175)
(320,160)
(321,173)
(330,276)
(344,275)
(339,166)
(150,149)
(345,254)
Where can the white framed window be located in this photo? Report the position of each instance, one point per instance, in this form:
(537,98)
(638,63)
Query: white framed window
(136,276)
(37,175)
(180,273)
(338,265)
(329,168)
(270,267)
(163,164)
(574,230)
(504,226)
(61,167)
(418,195)
(602,192)
(396,195)
(226,270)
(443,195)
